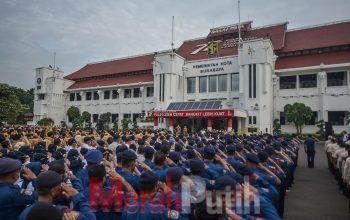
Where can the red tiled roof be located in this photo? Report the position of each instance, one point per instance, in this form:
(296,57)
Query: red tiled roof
(313,60)
(318,37)
(113,81)
(131,64)
(275,33)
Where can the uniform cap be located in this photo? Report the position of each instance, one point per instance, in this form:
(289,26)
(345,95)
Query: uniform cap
(174,156)
(148,177)
(209,150)
(174,174)
(252,158)
(197,166)
(129,155)
(48,179)
(94,156)
(8,165)
(224,181)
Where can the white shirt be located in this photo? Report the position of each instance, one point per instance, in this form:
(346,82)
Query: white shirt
(346,171)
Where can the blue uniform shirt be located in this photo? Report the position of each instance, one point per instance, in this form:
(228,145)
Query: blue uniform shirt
(310,144)
(12,202)
(80,204)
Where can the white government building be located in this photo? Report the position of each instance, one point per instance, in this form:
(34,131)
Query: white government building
(211,82)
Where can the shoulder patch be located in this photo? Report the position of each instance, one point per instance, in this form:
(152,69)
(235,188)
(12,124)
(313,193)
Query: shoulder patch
(173,214)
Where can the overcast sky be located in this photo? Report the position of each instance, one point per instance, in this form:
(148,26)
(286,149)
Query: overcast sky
(82,31)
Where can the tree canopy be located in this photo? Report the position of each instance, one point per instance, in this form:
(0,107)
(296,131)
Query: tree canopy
(298,114)
(14,102)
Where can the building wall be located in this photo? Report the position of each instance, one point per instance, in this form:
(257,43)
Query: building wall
(118,106)
(321,99)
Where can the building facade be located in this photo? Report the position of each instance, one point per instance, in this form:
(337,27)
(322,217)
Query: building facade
(216,81)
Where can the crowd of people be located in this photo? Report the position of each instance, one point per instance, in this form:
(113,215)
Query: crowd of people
(61,173)
(338,155)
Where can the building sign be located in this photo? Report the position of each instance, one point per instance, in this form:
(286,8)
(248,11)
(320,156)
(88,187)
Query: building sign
(212,113)
(220,66)
(228,43)
(213,48)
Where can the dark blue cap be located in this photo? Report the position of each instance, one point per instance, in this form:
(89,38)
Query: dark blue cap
(209,150)
(252,158)
(8,165)
(174,156)
(224,181)
(262,155)
(197,166)
(73,154)
(244,170)
(174,174)
(129,155)
(48,180)
(149,150)
(100,142)
(35,167)
(94,157)
(148,177)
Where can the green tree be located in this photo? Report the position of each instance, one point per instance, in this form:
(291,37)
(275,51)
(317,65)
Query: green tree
(73,113)
(103,121)
(45,122)
(276,127)
(298,114)
(10,105)
(125,123)
(78,122)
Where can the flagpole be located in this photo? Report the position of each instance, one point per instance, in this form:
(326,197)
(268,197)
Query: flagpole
(239,22)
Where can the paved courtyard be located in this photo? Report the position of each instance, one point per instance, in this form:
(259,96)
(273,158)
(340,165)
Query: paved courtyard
(315,194)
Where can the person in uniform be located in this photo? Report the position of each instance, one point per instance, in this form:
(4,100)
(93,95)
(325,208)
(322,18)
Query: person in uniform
(12,200)
(92,157)
(310,151)
(50,186)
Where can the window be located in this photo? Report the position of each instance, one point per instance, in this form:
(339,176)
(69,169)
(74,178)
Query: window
(127,93)
(128,116)
(336,79)
(96,95)
(41,96)
(135,117)
(88,96)
(78,96)
(283,119)
(203,84)
(235,82)
(94,118)
(288,82)
(106,94)
(115,118)
(137,93)
(213,83)
(308,81)
(150,91)
(252,120)
(71,97)
(313,119)
(38,87)
(336,117)
(115,94)
(252,81)
(191,85)
(222,80)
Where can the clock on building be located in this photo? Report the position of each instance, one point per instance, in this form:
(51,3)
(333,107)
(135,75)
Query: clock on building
(38,80)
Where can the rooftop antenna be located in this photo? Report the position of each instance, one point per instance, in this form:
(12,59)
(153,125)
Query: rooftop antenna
(172,35)
(239,23)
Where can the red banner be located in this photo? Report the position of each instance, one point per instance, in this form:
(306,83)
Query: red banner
(212,113)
